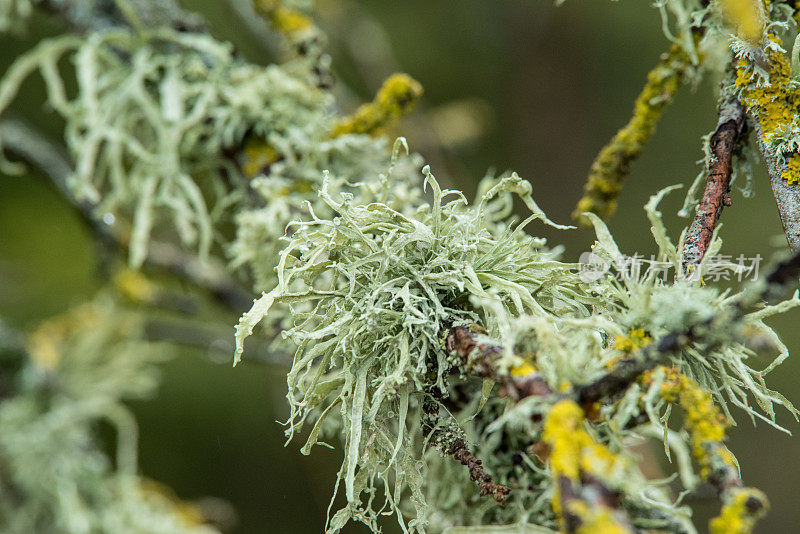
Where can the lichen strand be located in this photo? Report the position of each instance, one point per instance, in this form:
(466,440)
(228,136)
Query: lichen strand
(740,513)
(151,142)
(706,425)
(773,99)
(396,98)
(612,164)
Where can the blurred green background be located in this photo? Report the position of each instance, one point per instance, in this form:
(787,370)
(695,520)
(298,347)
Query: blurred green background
(552,84)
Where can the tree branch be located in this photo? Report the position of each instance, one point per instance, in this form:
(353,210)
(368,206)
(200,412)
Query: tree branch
(86,16)
(722,145)
(461,453)
(787,196)
(613,164)
(480,358)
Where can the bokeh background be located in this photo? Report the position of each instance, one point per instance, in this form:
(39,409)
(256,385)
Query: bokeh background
(513,85)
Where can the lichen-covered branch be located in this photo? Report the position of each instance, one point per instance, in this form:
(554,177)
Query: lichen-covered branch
(396,97)
(612,164)
(48,157)
(765,87)
(579,465)
(787,195)
(741,506)
(480,358)
(722,146)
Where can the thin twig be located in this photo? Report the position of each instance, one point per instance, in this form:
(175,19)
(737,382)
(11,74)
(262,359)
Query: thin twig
(461,453)
(613,164)
(457,447)
(722,145)
(215,339)
(480,357)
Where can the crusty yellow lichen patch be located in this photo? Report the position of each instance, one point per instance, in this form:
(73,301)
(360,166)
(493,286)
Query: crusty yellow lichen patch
(396,98)
(135,286)
(573,451)
(612,164)
(596,520)
(740,512)
(746,17)
(257,156)
(775,103)
(703,419)
(525,367)
(283,19)
(45,343)
(635,340)
(792,171)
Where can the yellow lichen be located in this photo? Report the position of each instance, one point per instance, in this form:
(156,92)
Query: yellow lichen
(135,286)
(739,514)
(596,520)
(703,419)
(747,17)
(395,99)
(257,156)
(46,343)
(635,340)
(283,19)
(612,164)
(566,439)
(524,368)
(573,451)
(792,171)
(774,104)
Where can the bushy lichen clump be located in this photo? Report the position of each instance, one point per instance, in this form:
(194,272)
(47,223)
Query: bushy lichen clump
(55,475)
(372,290)
(172,126)
(152,117)
(639,299)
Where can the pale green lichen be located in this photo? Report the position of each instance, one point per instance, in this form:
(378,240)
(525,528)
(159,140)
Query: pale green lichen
(645,300)
(55,475)
(150,131)
(14,14)
(370,291)
(293,182)
(148,128)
